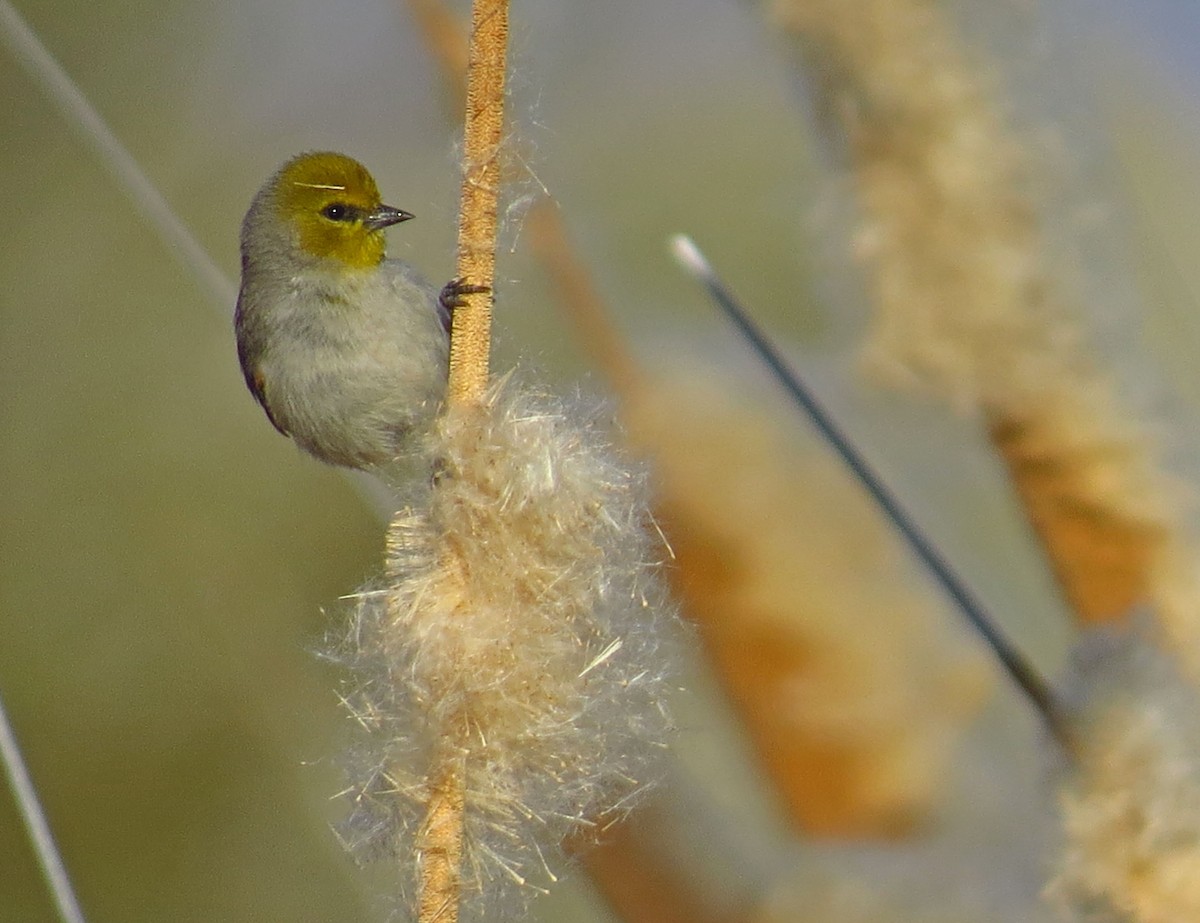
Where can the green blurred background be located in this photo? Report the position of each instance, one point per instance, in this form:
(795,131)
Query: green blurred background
(170,563)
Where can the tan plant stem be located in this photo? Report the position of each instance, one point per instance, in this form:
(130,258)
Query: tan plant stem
(446,36)
(470,342)
(579,297)
(441,845)
(441,841)
(447,39)
(1102,555)
(638,884)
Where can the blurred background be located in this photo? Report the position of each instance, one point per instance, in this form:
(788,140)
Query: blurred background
(170,564)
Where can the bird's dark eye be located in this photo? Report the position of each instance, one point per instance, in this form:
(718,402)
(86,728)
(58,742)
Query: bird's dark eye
(335,212)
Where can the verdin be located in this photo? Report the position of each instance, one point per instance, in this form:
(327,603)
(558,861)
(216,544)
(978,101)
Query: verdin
(345,350)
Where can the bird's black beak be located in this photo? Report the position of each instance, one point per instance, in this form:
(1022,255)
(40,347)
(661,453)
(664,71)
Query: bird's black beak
(384,217)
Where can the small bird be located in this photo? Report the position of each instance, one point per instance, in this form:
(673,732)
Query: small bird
(344,349)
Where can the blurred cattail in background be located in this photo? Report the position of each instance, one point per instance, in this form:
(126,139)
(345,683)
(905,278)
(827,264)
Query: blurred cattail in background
(968,307)
(848,676)
(851,692)
(534,712)
(966,302)
(1131,807)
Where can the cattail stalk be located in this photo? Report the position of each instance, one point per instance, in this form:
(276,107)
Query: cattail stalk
(440,846)
(580,299)
(470,343)
(447,39)
(441,840)
(638,883)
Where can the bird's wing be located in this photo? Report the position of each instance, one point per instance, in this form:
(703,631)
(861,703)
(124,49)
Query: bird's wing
(254,378)
(247,357)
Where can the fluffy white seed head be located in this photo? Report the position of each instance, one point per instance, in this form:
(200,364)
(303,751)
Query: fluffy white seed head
(523,628)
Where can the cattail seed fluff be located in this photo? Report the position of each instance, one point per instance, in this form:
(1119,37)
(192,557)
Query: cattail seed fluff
(524,631)
(1131,808)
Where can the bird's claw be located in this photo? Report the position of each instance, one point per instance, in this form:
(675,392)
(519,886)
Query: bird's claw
(454,293)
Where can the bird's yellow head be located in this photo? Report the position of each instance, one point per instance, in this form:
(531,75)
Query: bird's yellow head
(333,205)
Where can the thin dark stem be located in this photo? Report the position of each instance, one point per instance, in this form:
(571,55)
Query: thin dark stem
(1026,678)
